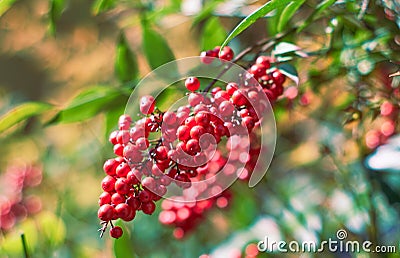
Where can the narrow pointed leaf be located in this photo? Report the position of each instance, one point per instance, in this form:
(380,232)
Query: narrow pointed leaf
(21,113)
(254,16)
(288,13)
(126,66)
(155,48)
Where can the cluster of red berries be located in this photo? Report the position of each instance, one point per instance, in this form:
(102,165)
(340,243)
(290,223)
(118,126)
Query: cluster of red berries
(185,216)
(389,113)
(270,78)
(179,146)
(15,204)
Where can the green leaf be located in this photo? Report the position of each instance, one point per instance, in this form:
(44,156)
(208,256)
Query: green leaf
(213,34)
(56,9)
(284,48)
(122,246)
(155,48)
(126,66)
(52,228)
(89,103)
(319,9)
(5,5)
(254,16)
(288,13)
(21,113)
(100,6)
(289,71)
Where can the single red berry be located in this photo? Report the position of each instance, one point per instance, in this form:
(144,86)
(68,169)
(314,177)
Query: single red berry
(169,118)
(113,137)
(123,210)
(196,132)
(117,198)
(226,54)
(109,166)
(195,99)
(192,146)
(108,184)
(133,176)
(148,207)
(149,183)
(122,186)
(207,56)
(264,60)
(278,77)
(215,90)
(116,232)
(248,122)
(134,202)
(106,212)
(161,153)
(122,169)
(118,149)
(238,98)
(226,108)
(147,104)
(142,143)
(183,133)
(231,87)
(192,83)
(202,118)
(144,196)
(104,198)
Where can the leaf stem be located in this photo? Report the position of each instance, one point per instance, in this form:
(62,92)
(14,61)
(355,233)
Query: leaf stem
(24,245)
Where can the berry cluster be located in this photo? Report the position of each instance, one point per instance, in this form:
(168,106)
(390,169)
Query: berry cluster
(15,205)
(270,78)
(185,216)
(179,149)
(389,113)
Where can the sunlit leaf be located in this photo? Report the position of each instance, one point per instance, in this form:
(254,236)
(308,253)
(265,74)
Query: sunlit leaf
(89,103)
(284,47)
(126,67)
(213,34)
(288,13)
(56,9)
(5,5)
(22,112)
(100,6)
(254,16)
(155,48)
(123,245)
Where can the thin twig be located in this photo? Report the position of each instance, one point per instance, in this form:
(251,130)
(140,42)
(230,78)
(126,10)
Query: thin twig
(24,245)
(264,43)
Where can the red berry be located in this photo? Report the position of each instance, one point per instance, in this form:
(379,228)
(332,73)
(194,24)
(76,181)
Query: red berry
(113,137)
(110,166)
(278,77)
(123,211)
(264,60)
(122,186)
(192,83)
(231,87)
(133,176)
(106,212)
(226,108)
(108,184)
(238,98)
(169,118)
(183,133)
(226,54)
(202,118)
(119,149)
(144,196)
(116,232)
(149,183)
(161,153)
(142,143)
(134,202)
(207,56)
(117,198)
(147,104)
(196,132)
(104,198)
(148,207)
(192,146)
(195,99)
(122,169)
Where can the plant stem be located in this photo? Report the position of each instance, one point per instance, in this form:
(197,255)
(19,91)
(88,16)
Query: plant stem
(265,43)
(24,245)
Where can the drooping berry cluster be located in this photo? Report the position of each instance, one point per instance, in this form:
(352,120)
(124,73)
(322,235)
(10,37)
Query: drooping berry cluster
(15,204)
(178,147)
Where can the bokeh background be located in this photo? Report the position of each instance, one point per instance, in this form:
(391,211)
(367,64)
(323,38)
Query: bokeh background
(82,58)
